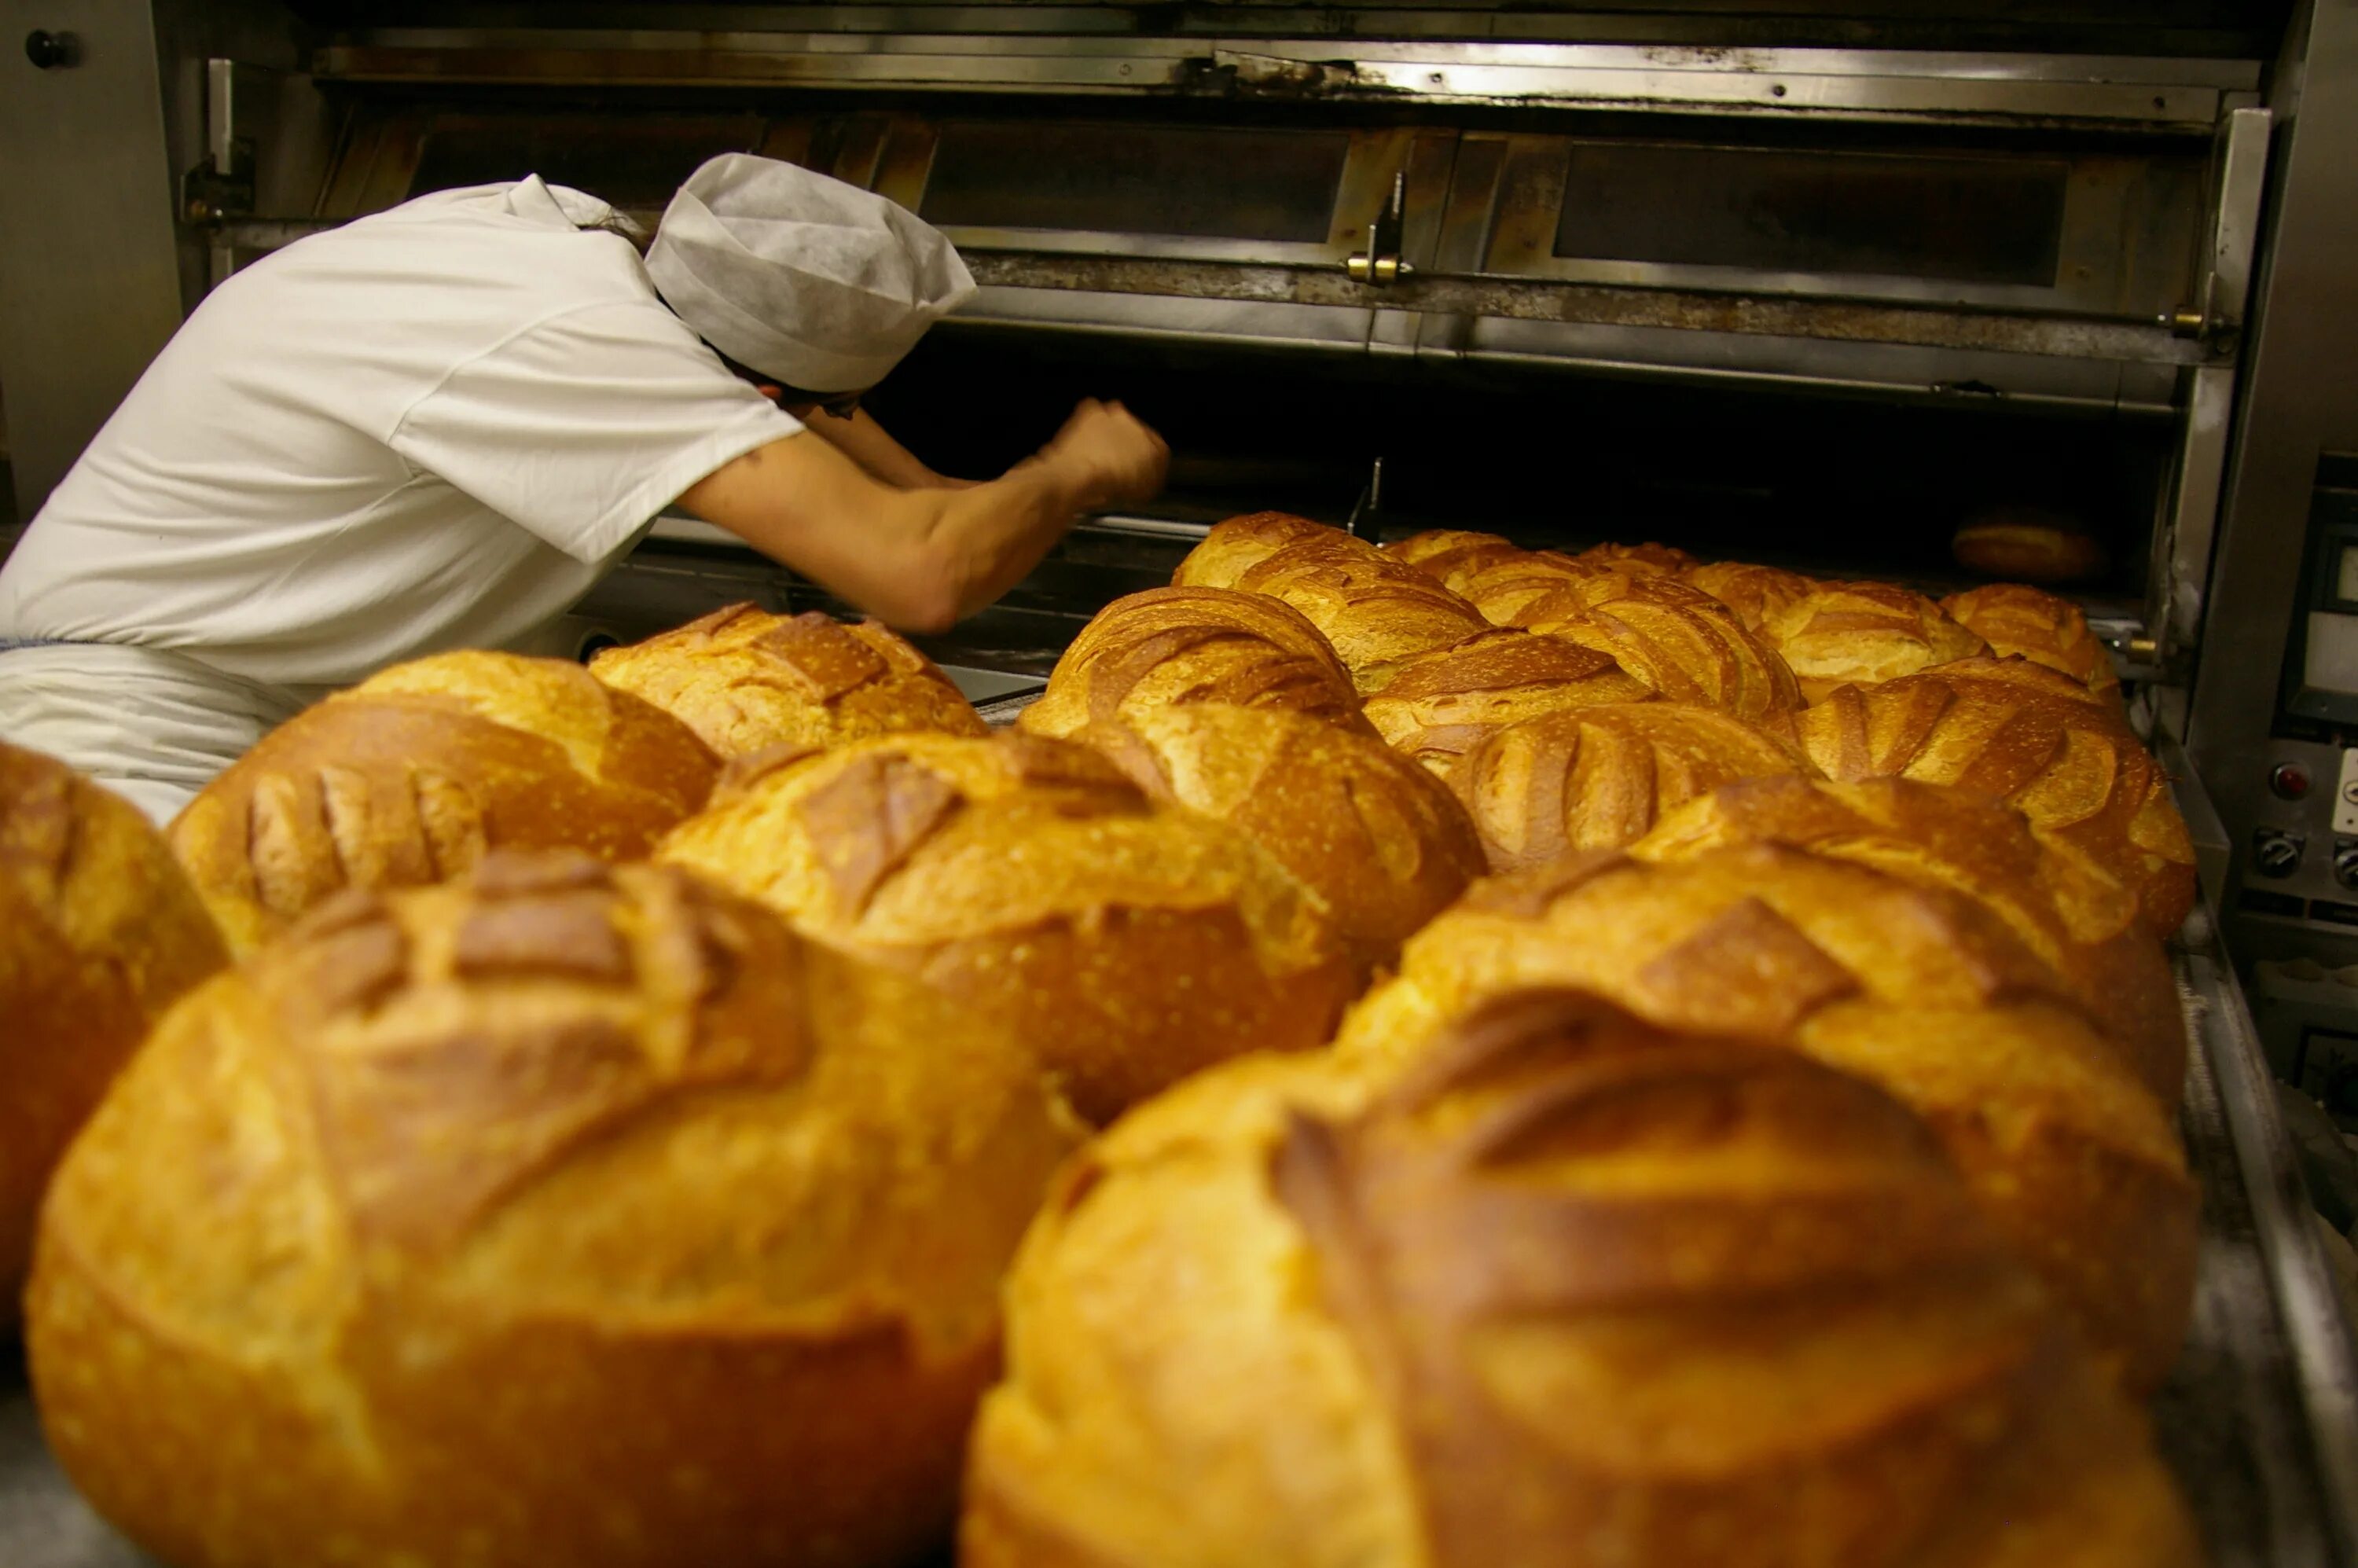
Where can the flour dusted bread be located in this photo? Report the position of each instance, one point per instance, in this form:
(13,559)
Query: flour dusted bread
(2015,618)
(2034,738)
(98,933)
(1377,842)
(1125,943)
(1913,988)
(1439,706)
(409,777)
(1597,778)
(1172,646)
(2060,904)
(744,680)
(563,1214)
(1571,1292)
(1863,632)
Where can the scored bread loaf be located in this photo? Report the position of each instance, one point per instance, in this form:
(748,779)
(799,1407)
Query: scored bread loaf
(100,931)
(1228,549)
(1127,943)
(1439,705)
(2028,548)
(2034,738)
(410,776)
(1753,593)
(1452,556)
(1914,987)
(1576,1292)
(1378,843)
(2015,618)
(744,680)
(1648,559)
(1862,632)
(2060,904)
(1534,585)
(1597,778)
(1375,610)
(1170,646)
(562,1214)
(1686,652)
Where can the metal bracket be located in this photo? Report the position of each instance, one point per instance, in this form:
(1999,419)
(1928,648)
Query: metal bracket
(2240,170)
(222,185)
(1381,262)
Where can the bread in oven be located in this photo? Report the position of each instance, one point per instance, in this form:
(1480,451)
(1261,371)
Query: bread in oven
(1753,593)
(1375,610)
(1452,556)
(1230,548)
(2015,618)
(1440,705)
(1686,647)
(1862,632)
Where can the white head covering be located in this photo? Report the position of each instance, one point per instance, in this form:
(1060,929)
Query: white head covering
(806,279)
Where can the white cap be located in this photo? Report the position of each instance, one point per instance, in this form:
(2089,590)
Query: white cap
(806,279)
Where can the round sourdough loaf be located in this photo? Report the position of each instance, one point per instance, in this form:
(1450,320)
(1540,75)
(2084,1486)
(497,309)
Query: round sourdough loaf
(409,777)
(1452,556)
(563,1214)
(1753,593)
(1229,549)
(98,933)
(1843,633)
(2014,618)
(1440,705)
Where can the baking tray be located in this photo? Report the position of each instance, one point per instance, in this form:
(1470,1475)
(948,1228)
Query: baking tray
(2260,1419)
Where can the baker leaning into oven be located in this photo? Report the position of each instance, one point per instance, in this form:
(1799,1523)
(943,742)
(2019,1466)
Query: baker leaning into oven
(438,426)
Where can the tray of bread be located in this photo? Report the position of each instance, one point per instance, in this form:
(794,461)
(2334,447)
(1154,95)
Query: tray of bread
(1439,1053)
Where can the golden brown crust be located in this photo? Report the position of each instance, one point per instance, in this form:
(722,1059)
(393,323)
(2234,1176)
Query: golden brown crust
(1863,632)
(1378,843)
(1440,705)
(1128,944)
(1172,646)
(2027,552)
(1452,556)
(411,777)
(1375,610)
(1915,988)
(2015,618)
(1572,1291)
(1686,651)
(553,1215)
(99,932)
(744,679)
(1533,586)
(1597,778)
(2057,901)
(1648,559)
(1231,548)
(1753,593)
(2034,738)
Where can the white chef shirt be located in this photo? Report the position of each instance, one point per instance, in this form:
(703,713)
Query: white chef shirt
(433,428)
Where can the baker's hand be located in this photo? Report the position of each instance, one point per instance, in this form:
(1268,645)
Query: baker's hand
(1109,455)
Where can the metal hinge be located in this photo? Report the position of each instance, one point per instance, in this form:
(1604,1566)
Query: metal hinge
(1382,263)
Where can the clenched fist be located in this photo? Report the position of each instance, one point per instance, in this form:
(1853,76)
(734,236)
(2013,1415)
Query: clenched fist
(1109,455)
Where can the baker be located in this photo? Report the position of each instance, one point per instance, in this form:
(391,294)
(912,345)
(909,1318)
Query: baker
(438,426)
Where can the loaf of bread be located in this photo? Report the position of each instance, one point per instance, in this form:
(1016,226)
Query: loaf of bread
(561,1214)
(1439,705)
(1597,778)
(409,777)
(1127,943)
(2081,922)
(99,932)
(1912,987)
(1755,593)
(1686,652)
(1375,610)
(1452,556)
(2029,548)
(744,680)
(1845,634)
(2014,618)
(1172,646)
(1575,1293)
(2034,738)
(1648,559)
(1378,844)
(1533,586)
(1230,548)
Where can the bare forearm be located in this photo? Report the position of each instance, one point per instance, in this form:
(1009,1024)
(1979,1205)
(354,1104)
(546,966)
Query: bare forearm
(870,445)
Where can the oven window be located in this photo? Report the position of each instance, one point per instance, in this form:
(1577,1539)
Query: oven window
(1197,183)
(1959,219)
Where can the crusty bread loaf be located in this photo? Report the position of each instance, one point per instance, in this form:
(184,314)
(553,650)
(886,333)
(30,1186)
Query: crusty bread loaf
(2027,549)
(2015,618)
(98,933)
(1753,593)
(1577,1294)
(1378,843)
(410,776)
(1686,652)
(745,680)
(1452,556)
(1230,548)
(1170,646)
(1843,633)
(2034,738)
(1375,610)
(1648,559)
(1439,705)
(1128,944)
(563,1214)
(1913,988)
(1597,778)
(1535,585)
(2058,902)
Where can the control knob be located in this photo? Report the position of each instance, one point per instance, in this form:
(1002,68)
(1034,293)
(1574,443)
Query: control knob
(53,51)
(2345,862)
(2276,853)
